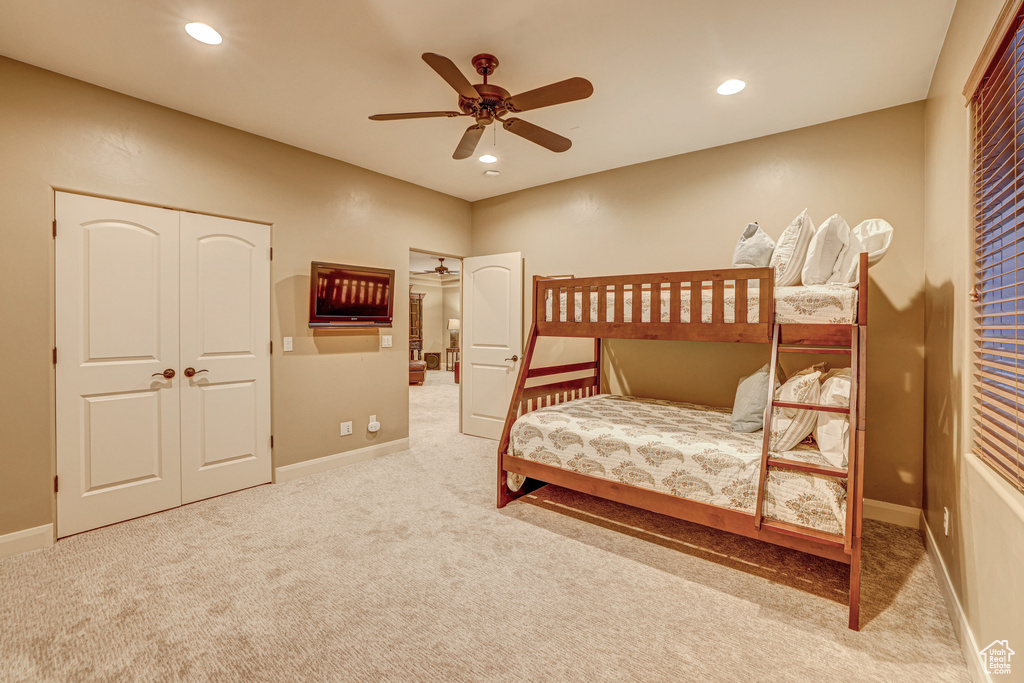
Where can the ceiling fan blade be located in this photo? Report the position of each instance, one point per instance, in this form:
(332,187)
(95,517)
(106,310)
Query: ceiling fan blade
(564,91)
(416,115)
(468,142)
(541,136)
(447,70)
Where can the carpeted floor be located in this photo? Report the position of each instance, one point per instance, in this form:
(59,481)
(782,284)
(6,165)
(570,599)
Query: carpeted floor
(402,569)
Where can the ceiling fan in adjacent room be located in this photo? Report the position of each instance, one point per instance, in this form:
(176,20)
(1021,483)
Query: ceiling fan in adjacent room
(488,103)
(441,270)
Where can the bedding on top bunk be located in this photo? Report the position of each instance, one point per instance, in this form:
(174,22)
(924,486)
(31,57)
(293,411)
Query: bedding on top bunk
(681,449)
(805,305)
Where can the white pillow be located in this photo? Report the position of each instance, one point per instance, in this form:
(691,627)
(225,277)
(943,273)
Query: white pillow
(833,429)
(827,247)
(791,250)
(754,248)
(873,236)
(792,425)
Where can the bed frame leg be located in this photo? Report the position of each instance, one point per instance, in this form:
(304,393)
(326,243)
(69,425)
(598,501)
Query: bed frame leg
(855,585)
(504,495)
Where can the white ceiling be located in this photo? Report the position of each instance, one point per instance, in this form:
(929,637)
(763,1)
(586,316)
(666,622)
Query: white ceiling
(308,73)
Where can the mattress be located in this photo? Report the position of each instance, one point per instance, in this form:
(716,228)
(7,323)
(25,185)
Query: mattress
(805,305)
(681,449)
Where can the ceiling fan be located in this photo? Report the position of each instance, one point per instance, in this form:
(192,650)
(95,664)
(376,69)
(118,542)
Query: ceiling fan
(488,103)
(441,269)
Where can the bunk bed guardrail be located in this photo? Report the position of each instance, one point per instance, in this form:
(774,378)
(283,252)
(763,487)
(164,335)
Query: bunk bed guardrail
(602,304)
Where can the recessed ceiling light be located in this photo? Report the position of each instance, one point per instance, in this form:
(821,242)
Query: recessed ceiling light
(492,172)
(203,33)
(731,87)
(488,158)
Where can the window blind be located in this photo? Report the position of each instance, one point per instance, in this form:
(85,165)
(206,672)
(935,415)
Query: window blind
(998,107)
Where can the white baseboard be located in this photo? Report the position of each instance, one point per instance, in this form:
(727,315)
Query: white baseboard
(26,540)
(964,635)
(330,462)
(903,515)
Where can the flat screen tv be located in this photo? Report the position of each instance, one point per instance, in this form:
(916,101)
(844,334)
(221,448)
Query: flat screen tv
(348,297)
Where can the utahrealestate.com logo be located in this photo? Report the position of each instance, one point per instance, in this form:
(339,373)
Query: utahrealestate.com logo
(997,657)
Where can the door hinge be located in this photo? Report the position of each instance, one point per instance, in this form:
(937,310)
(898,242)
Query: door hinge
(271,440)
(271,253)
(271,347)
(56,484)
(54,355)
(54,228)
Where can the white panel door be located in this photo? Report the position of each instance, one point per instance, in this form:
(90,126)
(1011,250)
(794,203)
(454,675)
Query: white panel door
(492,340)
(116,332)
(225,339)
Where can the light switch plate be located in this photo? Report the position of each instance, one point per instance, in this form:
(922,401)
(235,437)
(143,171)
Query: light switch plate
(385,341)
(287,343)
(346,428)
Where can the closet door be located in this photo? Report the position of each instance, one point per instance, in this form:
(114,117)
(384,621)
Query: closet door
(116,329)
(225,339)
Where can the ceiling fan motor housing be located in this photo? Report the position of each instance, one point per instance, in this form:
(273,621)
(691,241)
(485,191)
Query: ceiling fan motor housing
(491,103)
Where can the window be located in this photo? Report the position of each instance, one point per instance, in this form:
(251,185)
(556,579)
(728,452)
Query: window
(998,107)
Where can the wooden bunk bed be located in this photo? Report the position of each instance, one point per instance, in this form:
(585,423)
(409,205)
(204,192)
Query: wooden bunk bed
(722,307)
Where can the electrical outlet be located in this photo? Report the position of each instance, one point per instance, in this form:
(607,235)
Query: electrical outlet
(287,343)
(346,428)
(945,520)
(385,341)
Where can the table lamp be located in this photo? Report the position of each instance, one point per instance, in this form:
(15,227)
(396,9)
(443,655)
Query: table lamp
(453,332)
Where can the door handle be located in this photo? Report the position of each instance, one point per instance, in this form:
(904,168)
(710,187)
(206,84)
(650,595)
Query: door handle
(514,359)
(192,372)
(166,374)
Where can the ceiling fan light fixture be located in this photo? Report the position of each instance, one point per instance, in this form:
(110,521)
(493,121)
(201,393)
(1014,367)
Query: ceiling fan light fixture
(731,87)
(204,33)
(488,158)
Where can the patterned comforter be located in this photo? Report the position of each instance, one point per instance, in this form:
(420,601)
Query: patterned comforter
(682,449)
(805,305)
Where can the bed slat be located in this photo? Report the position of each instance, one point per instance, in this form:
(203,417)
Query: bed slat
(741,301)
(696,300)
(766,299)
(718,301)
(656,302)
(675,302)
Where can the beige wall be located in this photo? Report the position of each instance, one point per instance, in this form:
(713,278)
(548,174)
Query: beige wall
(985,549)
(686,213)
(56,132)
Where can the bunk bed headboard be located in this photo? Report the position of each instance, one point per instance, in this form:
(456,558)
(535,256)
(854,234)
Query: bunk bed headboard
(700,305)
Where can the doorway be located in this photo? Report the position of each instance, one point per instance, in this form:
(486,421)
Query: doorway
(435,328)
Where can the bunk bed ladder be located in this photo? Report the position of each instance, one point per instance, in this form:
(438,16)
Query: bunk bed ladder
(767,460)
(768,412)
